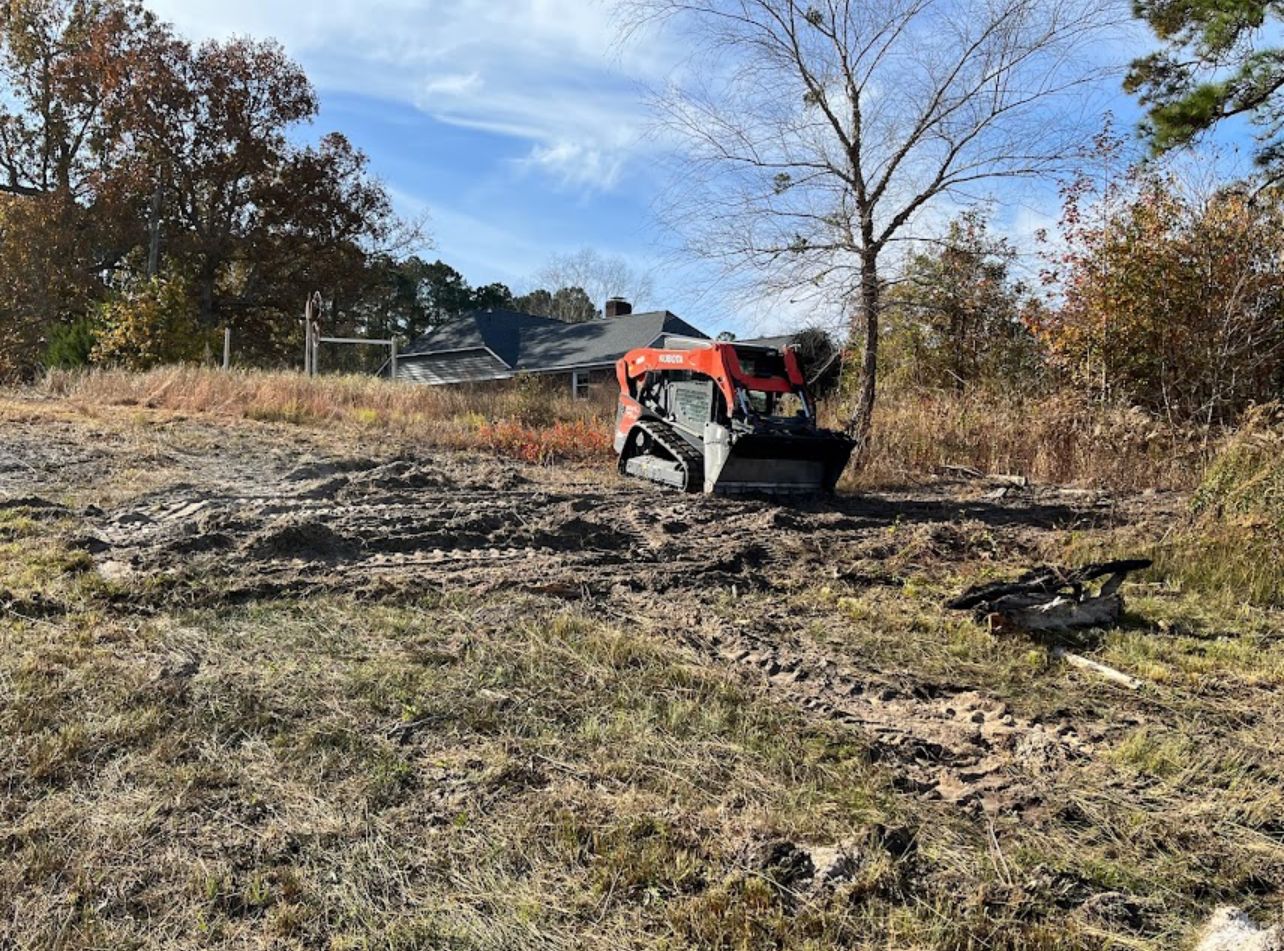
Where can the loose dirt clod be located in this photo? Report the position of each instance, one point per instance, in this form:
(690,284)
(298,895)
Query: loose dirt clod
(781,862)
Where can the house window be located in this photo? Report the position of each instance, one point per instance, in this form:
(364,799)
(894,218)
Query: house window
(580,384)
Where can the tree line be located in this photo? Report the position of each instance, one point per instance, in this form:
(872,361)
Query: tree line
(413,295)
(1157,291)
(153,191)
(821,140)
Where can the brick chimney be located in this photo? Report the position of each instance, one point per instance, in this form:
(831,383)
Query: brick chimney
(618,307)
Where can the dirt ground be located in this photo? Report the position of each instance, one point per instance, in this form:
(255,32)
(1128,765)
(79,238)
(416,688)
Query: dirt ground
(253,513)
(811,604)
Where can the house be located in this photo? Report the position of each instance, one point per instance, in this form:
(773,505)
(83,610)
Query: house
(499,344)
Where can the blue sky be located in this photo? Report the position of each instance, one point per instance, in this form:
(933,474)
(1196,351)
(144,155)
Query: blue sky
(494,212)
(518,126)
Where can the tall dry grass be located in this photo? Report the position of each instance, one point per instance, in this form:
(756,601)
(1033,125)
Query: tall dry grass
(1233,545)
(1060,439)
(266,395)
(530,419)
(1063,438)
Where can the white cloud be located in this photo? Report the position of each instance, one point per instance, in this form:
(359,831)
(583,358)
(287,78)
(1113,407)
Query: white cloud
(577,164)
(453,84)
(549,72)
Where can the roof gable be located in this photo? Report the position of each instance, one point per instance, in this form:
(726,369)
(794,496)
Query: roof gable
(596,342)
(499,331)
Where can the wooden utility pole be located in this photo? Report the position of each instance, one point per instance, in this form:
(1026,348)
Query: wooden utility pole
(307,340)
(317,305)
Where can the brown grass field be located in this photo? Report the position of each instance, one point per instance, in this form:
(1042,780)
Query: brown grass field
(340,664)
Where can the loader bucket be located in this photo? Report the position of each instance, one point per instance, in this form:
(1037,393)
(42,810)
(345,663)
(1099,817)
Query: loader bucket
(774,464)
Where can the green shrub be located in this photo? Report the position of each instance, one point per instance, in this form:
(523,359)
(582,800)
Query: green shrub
(151,325)
(72,345)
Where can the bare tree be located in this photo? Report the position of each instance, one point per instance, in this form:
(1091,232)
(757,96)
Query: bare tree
(816,132)
(600,276)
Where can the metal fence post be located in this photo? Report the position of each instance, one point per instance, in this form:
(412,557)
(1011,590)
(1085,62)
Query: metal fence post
(227,347)
(392,344)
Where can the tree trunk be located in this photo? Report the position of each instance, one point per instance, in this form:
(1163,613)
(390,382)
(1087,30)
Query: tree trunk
(153,236)
(862,420)
(207,281)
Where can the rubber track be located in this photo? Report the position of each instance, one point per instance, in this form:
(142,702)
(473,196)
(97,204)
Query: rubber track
(691,461)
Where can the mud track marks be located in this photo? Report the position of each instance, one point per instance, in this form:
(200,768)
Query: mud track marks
(455,523)
(941,741)
(459,522)
(339,526)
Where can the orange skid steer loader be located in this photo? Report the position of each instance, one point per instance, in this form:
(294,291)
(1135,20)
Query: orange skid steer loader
(723,418)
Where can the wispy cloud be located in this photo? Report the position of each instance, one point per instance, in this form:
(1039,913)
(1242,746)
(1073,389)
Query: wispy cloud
(454,84)
(575,163)
(546,72)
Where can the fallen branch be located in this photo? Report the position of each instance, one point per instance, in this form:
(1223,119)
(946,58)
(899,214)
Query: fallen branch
(1051,600)
(1044,585)
(1084,663)
(1060,615)
(1054,601)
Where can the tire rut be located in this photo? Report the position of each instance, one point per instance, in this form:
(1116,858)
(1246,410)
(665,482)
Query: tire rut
(941,741)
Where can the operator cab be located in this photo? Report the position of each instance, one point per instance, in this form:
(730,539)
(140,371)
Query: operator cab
(688,399)
(770,407)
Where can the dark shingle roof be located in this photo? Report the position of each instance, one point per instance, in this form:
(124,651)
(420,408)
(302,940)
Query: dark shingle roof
(458,366)
(498,330)
(541,344)
(596,341)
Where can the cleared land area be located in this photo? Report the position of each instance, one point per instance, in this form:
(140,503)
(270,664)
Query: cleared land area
(312,686)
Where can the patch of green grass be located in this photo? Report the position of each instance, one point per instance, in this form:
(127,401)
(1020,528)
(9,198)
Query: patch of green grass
(505,771)
(1233,547)
(40,573)
(1247,475)
(1178,641)
(18,523)
(1155,754)
(1236,562)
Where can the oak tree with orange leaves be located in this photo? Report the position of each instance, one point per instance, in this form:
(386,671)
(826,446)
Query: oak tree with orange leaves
(67,179)
(130,157)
